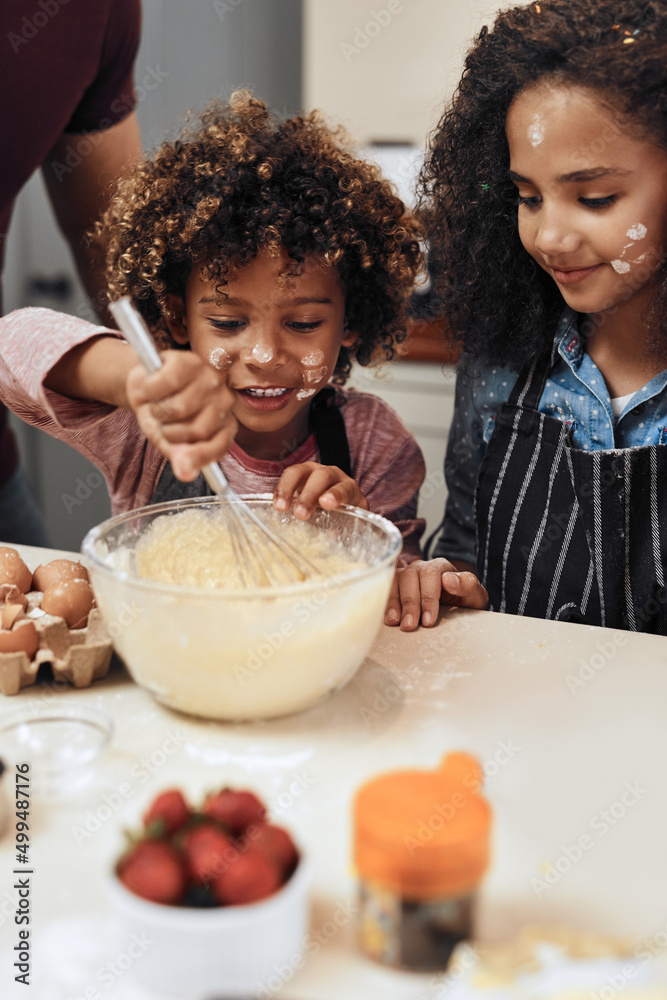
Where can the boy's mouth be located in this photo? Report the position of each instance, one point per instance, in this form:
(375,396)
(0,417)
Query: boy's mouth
(270,397)
(278,391)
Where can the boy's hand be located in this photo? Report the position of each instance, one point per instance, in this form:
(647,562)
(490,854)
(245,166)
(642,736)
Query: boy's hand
(316,486)
(419,589)
(184,408)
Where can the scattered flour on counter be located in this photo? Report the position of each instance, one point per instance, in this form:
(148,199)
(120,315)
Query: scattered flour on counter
(557,964)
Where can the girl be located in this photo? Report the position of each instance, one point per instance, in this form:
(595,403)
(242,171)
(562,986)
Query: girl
(547,200)
(265,258)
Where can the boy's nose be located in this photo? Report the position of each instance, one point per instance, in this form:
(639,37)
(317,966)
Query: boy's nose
(262,351)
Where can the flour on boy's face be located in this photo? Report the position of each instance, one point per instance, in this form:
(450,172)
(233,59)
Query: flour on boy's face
(277,337)
(592,208)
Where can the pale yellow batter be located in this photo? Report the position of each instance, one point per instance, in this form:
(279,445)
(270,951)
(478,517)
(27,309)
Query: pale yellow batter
(194,548)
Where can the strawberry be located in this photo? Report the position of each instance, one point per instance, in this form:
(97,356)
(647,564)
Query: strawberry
(235,810)
(277,845)
(249,878)
(153,869)
(170,809)
(208,852)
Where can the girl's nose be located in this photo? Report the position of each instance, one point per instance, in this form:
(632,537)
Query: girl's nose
(555,235)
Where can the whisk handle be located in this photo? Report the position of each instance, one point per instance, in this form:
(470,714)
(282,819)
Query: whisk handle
(131,323)
(217,480)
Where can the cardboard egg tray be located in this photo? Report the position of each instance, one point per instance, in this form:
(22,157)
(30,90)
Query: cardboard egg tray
(77,655)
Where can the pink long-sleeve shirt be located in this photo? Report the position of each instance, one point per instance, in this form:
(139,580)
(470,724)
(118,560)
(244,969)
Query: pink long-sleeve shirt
(386,460)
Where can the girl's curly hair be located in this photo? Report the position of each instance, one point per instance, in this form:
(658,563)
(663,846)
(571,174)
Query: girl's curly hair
(242,181)
(499,304)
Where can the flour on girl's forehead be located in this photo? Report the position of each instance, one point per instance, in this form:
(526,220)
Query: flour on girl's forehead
(536,131)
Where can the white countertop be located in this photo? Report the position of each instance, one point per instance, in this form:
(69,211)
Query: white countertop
(569,722)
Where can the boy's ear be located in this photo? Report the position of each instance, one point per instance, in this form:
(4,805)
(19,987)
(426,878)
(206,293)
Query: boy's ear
(177,318)
(349,338)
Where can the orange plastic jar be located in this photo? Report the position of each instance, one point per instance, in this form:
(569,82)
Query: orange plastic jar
(421,847)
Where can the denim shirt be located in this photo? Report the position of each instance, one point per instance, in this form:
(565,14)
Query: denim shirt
(575,392)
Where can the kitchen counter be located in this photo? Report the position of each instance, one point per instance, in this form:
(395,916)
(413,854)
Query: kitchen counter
(568,721)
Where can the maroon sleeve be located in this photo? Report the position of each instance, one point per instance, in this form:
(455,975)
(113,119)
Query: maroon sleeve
(111,96)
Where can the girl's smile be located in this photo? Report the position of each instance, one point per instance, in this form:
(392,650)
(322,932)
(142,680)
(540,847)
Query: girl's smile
(592,199)
(276,335)
(573,275)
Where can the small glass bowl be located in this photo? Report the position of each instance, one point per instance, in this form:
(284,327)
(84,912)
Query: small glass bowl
(60,743)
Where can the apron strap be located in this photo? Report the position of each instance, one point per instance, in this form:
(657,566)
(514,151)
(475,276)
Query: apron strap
(529,386)
(328,426)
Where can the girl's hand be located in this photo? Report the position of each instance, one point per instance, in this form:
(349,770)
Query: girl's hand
(419,589)
(184,408)
(316,485)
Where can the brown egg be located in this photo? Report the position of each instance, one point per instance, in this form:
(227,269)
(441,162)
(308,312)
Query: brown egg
(13,569)
(71,600)
(56,571)
(10,612)
(22,638)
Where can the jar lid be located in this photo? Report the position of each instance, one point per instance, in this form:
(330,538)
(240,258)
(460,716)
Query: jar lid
(424,834)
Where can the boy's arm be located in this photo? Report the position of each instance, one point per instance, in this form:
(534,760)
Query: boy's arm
(96,369)
(59,372)
(388,466)
(184,408)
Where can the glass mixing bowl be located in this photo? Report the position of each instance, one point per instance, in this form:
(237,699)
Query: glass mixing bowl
(243,654)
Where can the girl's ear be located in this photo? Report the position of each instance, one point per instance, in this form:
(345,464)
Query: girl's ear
(176,318)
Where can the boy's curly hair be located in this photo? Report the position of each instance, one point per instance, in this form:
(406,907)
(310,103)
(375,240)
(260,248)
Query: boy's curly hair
(500,305)
(242,181)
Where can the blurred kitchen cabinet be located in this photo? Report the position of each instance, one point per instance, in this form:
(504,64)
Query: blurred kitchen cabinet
(422,393)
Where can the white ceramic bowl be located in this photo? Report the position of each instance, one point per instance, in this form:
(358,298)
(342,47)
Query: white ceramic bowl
(243,654)
(221,952)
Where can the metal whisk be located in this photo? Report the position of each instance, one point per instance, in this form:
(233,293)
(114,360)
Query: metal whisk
(261,557)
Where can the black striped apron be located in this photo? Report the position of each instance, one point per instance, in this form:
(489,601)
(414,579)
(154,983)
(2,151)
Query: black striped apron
(326,422)
(565,533)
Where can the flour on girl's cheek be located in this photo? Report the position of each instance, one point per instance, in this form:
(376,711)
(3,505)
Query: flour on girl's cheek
(636,233)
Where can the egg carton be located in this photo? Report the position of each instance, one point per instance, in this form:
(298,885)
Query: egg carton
(77,655)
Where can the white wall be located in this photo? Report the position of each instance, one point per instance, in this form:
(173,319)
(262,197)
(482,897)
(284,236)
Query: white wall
(384,68)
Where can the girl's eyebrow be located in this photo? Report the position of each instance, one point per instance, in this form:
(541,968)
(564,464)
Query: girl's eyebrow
(577,176)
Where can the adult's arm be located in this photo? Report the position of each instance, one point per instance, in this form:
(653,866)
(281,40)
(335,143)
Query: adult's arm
(79,196)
